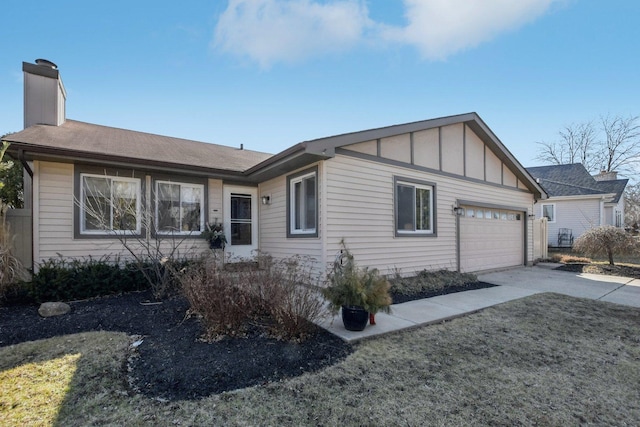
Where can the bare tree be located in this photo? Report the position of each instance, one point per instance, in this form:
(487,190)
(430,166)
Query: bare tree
(632,205)
(613,146)
(621,148)
(577,145)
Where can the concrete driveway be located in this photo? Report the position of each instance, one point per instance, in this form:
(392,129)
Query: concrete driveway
(542,278)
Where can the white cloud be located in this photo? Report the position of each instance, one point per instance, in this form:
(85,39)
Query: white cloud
(269,31)
(440,28)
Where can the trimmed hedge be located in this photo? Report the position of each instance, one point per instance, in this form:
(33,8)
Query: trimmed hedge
(66,280)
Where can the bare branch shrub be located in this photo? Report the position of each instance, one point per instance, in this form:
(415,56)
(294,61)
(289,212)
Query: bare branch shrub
(11,269)
(606,241)
(157,256)
(231,298)
(218,296)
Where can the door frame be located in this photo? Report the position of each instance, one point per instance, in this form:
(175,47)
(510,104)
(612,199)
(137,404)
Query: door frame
(240,251)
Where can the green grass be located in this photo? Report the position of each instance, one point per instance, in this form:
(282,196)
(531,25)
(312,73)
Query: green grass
(544,360)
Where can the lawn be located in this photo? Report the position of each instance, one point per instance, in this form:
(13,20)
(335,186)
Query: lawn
(544,360)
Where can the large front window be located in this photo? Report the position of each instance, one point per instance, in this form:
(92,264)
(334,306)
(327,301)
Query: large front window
(109,204)
(303,205)
(414,208)
(179,208)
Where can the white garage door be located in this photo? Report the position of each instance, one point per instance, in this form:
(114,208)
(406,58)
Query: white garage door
(490,238)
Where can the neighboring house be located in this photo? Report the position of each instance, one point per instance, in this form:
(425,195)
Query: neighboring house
(441,193)
(578,201)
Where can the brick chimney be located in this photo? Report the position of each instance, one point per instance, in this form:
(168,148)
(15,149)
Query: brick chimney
(44,94)
(606,176)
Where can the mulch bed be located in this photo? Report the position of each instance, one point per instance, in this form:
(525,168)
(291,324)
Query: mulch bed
(610,270)
(400,298)
(172,363)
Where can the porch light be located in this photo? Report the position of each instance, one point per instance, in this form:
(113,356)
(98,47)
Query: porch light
(266,200)
(457,210)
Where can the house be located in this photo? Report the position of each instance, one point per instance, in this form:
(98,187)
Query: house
(439,193)
(578,201)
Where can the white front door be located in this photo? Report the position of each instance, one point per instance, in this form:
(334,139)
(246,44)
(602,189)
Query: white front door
(240,221)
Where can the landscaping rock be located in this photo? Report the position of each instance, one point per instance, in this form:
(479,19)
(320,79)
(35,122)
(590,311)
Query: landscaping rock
(50,309)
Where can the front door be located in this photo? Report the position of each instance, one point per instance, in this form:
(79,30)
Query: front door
(241,221)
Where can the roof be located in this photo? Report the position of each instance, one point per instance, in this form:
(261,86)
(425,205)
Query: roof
(574,180)
(95,143)
(327,146)
(79,139)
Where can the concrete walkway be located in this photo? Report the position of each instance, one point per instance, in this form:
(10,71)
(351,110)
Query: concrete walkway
(514,284)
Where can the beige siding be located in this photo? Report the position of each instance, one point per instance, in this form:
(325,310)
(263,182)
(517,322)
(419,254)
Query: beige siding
(453,149)
(215,200)
(426,148)
(493,167)
(53,221)
(360,210)
(474,155)
(396,148)
(508,178)
(273,222)
(368,147)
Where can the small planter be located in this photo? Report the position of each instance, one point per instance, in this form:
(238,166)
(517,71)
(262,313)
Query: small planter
(216,244)
(355,318)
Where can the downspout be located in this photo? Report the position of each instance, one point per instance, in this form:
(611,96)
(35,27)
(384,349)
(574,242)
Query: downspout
(25,165)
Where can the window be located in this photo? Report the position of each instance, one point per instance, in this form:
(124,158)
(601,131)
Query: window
(618,219)
(549,212)
(109,204)
(303,205)
(414,208)
(179,207)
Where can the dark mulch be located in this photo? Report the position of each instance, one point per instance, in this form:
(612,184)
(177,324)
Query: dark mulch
(172,363)
(610,270)
(400,298)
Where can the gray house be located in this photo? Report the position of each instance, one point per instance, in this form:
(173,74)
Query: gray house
(578,201)
(439,193)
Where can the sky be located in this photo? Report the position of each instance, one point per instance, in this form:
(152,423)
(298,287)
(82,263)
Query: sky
(271,73)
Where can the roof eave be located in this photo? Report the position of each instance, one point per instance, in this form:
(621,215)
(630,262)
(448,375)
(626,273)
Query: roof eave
(30,152)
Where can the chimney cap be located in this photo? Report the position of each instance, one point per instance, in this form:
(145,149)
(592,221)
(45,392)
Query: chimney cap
(46,63)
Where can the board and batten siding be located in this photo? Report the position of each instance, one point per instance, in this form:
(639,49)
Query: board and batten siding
(53,220)
(360,210)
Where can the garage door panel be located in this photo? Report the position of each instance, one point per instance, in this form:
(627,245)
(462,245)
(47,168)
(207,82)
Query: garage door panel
(490,243)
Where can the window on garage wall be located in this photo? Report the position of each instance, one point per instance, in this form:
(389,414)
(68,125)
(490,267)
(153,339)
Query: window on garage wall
(414,208)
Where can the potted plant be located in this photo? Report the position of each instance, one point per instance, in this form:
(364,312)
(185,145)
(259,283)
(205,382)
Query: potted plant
(214,234)
(360,293)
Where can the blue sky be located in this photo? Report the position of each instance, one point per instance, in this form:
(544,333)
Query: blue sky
(271,73)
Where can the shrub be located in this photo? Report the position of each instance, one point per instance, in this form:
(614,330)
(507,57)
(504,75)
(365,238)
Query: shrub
(59,279)
(353,286)
(228,299)
(426,281)
(11,270)
(606,241)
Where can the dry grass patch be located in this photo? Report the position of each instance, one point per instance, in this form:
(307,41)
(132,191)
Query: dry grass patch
(543,360)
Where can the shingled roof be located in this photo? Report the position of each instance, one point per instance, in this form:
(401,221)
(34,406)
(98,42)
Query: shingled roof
(102,142)
(574,180)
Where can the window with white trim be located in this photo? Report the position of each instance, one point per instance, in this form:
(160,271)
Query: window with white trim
(179,207)
(549,212)
(108,204)
(303,204)
(414,208)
